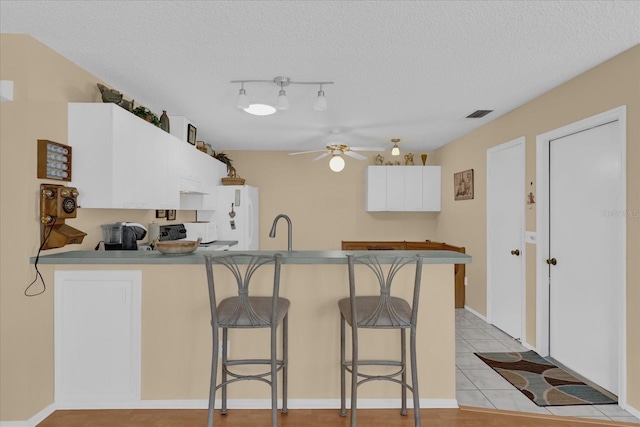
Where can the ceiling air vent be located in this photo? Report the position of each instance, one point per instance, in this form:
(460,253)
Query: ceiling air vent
(478,113)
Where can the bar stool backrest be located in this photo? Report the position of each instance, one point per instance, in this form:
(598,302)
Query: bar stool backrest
(385,271)
(243,267)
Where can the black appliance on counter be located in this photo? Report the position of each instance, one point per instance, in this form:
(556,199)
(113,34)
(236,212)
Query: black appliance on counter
(122,236)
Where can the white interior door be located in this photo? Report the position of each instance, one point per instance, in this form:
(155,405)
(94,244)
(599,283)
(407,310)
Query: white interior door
(505,236)
(586,274)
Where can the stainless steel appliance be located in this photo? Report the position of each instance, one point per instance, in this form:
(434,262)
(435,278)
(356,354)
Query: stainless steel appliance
(122,236)
(172,232)
(192,231)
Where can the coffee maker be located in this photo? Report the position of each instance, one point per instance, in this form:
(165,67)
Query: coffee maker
(122,236)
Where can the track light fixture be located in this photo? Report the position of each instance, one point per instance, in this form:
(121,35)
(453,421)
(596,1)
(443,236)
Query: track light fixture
(395,151)
(282,102)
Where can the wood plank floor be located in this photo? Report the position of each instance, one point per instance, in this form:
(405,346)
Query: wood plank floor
(463,417)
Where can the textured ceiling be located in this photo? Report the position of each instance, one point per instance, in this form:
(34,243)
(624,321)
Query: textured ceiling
(411,70)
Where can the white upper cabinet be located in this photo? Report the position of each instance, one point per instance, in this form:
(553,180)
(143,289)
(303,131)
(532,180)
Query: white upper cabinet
(198,172)
(123,162)
(403,188)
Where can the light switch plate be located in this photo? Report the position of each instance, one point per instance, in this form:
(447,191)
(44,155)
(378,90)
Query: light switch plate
(237,197)
(530,237)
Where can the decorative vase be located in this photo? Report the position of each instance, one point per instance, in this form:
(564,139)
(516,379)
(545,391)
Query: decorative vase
(408,159)
(424,159)
(164,121)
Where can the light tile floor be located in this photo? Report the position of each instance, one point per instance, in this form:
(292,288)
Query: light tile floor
(479,385)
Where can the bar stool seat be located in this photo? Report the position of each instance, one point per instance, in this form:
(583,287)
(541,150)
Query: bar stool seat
(231,313)
(366,306)
(247,312)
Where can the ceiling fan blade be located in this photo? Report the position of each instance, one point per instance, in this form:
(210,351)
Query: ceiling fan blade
(355,155)
(321,156)
(368,149)
(306,152)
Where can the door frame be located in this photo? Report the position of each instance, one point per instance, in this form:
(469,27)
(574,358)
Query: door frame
(521,141)
(542,227)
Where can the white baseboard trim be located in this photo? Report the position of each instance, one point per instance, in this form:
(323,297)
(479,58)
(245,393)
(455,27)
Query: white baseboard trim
(633,411)
(258,404)
(33,421)
(466,307)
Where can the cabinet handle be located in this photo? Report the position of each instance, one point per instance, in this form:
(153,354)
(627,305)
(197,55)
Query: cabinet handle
(515,252)
(552,261)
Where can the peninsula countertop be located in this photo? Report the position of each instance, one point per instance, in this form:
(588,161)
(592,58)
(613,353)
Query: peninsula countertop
(288,257)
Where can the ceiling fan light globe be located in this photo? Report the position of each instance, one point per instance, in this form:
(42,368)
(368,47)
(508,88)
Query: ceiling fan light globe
(336,163)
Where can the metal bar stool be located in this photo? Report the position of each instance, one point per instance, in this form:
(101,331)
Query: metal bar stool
(380,312)
(247,312)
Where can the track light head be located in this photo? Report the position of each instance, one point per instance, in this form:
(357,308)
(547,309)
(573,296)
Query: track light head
(283,102)
(243,99)
(321,101)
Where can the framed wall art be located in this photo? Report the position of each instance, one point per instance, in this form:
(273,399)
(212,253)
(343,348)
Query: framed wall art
(171,215)
(463,185)
(191,134)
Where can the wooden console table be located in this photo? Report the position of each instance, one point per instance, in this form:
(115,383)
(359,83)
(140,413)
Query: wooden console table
(426,245)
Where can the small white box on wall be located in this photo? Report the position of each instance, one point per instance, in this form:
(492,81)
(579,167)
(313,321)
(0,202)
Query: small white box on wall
(179,127)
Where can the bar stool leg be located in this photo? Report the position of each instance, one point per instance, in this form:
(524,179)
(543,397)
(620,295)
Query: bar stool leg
(403,353)
(343,405)
(214,372)
(285,361)
(414,378)
(223,411)
(274,378)
(354,375)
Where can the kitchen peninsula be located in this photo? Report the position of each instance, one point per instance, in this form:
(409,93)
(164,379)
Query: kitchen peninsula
(157,342)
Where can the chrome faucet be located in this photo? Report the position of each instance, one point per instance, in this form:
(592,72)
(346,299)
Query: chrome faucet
(272,233)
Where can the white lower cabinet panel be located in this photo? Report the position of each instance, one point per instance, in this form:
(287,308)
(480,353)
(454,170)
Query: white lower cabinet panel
(97,338)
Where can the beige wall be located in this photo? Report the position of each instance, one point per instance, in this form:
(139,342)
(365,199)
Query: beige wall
(611,84)
(44,82)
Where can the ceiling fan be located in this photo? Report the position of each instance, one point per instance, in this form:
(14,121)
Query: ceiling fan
(336,150)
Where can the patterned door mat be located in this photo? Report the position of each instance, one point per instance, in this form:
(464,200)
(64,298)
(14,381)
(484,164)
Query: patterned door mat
(543,382)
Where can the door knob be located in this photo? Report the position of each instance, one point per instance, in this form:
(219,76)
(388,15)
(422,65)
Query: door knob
(515,252)
(552,261)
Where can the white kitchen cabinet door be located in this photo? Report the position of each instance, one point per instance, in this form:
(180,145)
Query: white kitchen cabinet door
(395,188)
(97,338)
(120,161)
(376,189)
(431,188)
(412,188)
(165,173)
